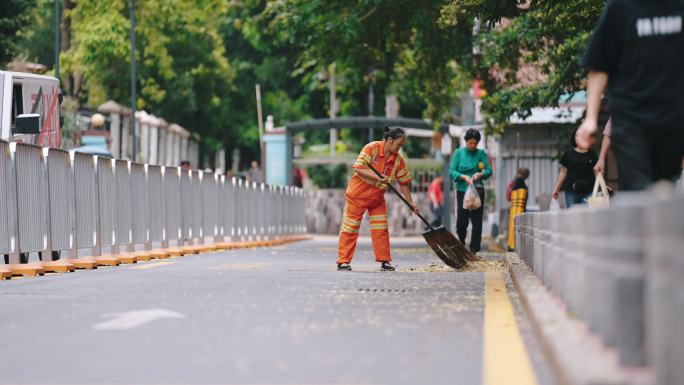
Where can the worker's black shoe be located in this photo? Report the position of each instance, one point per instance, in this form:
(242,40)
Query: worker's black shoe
(343,267)
(386,266)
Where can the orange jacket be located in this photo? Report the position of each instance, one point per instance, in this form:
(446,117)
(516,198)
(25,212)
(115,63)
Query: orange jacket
(392,166)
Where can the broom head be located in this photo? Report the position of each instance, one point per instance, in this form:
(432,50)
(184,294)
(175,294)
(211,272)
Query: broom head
(448,248)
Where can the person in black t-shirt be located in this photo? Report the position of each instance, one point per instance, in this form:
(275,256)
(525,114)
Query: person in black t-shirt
(637,53)
(576,177)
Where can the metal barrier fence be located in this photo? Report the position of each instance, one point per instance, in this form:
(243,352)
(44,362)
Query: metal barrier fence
(619,270)
(7,214)
(54,200)
(60,190)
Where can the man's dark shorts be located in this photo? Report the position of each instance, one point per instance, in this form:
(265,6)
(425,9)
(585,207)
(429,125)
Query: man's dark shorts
(646,154)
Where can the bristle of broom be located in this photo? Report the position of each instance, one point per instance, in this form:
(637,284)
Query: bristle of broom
(448,248)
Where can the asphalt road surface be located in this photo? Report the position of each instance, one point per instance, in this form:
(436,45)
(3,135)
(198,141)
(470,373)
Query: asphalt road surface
(280,315)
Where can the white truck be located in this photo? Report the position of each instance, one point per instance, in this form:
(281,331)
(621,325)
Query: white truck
(29,109)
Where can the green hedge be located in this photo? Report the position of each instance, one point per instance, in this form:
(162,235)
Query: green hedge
(328,175)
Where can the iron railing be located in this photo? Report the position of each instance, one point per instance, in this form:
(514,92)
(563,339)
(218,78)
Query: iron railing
(54,200)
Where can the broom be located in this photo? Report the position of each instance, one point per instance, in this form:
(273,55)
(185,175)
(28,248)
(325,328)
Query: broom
(443,243)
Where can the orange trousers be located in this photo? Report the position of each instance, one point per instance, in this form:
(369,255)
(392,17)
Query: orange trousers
(351,223)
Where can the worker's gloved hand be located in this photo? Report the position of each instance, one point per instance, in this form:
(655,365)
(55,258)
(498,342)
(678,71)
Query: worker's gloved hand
(415,208)
(384,181)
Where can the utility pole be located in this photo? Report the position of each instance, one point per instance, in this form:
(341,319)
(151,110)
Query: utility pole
(57,32)
(131,6)
(261,132)
(371,107)
(333,109)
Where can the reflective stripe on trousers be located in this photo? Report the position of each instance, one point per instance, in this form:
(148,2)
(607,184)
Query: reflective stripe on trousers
(351,223)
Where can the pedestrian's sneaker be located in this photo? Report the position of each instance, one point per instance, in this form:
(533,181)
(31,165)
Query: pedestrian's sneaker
(386,266)
(343,267)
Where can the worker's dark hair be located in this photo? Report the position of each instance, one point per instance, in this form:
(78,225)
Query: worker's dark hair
(524,172)
(393,133)
(472,134)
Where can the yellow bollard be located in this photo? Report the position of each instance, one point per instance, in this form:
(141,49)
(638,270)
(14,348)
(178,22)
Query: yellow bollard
(518,204)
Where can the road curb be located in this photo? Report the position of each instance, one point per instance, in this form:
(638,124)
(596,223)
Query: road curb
(90,263)
(576,357)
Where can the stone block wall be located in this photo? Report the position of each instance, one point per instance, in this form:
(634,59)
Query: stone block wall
(324,213)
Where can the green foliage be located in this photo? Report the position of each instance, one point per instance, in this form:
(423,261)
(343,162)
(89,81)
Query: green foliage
(328,176)
(417,147)
(36,41)
(183,72)
(199,60)
(14,15)
(545,40)
(398,45)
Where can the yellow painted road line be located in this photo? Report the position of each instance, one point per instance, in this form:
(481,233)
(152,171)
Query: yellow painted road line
(151,265)
(505,359)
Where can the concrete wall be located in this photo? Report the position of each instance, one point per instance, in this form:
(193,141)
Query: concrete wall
(324,213)
(619,270)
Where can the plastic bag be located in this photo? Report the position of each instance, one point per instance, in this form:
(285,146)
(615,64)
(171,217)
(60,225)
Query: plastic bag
(554,206)
(471,200)
(599,197)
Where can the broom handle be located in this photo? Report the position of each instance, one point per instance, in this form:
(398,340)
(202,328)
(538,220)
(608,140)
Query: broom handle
(400,196)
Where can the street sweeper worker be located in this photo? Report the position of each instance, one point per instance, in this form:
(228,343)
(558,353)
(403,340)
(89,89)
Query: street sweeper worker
(366,192)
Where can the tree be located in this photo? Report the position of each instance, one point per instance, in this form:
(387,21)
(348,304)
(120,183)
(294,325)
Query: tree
(14,15)
(541,38)
(259,55)
(183,73)
(401,41)
(36,41)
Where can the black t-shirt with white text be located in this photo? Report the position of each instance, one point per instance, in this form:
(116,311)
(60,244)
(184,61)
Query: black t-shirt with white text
(640,44)
(580,165)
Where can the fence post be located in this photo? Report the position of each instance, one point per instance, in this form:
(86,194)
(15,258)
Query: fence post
(221,200)
(239,209)
(233,213)
(47,250)
(8,210)
(97,249)
(106,197)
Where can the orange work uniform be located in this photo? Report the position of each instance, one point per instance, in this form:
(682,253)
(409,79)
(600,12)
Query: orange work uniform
(367,194)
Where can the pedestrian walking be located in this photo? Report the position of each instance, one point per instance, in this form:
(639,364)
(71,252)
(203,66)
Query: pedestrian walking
(366,192)
(636,53)
(470,165)
(436,197)
(517,195)
(576,177)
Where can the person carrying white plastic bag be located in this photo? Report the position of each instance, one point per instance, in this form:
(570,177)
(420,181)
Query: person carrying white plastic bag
(470,166)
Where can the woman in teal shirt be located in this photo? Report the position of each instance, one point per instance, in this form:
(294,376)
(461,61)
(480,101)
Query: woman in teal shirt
(470,165)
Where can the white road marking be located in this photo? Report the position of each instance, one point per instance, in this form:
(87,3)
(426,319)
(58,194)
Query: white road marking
(133,319)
